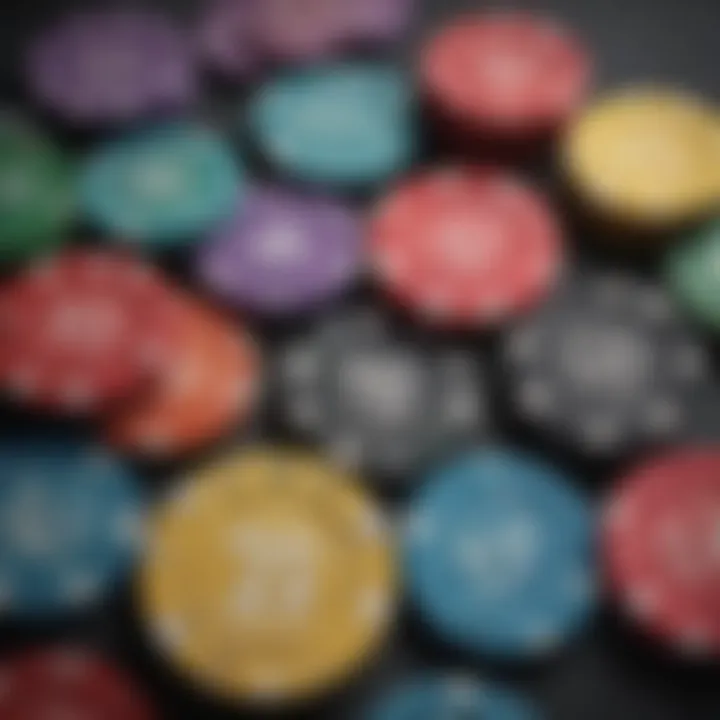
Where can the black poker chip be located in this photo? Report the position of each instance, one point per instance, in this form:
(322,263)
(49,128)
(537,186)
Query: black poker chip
(606,364)
(380,402)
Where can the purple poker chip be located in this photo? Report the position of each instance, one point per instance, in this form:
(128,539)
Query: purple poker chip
(283,253)
(115,65)
(302,29)
(378,21)
(228,39)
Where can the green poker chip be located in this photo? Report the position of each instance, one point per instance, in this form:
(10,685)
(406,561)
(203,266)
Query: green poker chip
(693,274)
(37,191)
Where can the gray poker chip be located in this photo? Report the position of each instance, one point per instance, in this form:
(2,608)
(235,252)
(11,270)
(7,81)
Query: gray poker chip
(379,402)
(606,364)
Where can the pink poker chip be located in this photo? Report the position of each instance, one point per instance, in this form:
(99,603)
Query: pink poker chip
(109,66)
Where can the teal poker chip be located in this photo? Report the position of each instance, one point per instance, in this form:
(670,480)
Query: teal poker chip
(349,124)
(162,186)
(499,555)
(449,697)
(37,191)
(70,524)
(692,272)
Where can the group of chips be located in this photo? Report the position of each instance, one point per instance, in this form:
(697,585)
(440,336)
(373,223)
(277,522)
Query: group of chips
(271,575)
(101,335)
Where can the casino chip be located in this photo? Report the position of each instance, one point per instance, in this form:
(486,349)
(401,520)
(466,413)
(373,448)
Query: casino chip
(662,547)
(82,330)
(109,66)
(208,383)
(380,402)
(312,29)
(692,272)
(347,124)
(68,683)
(161,186)
(646,157)
(227,37)
(70,524)
(283,252)
(466,246)
(606,364)
(499,555)
(450,697)
(506,75)
(37,198)
(269,578)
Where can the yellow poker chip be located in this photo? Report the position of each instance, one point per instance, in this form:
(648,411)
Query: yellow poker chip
(647,156)
(270,576)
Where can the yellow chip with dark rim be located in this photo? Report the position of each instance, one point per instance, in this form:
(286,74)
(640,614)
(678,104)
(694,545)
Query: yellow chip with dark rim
(647,156)
(270,576)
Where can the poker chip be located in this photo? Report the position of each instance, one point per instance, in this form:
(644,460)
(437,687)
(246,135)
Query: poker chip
(347,124)
(283,252)
(605,365)
(661,530)
(240,37)
(161,186)
(68,682)
(378,401)
(692,272)
(71,524)
(208,383)
(269,578)
(227,37)
(312,29)
(428,697)
(506,75)
(646,157)
(81,330)
(499,555)
(465,246)
(107,66)
(37,200)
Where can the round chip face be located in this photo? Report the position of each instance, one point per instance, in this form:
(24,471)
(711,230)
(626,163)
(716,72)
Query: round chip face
(283,252)
(161,186)
(378,401)
(647,156)
(82,330)
(348,124)
(68,682)
(692,271)
(227,36)
(37,198)
(662,537)
(270,576)
(499,555)
(455,697)
(466,246)
(506,73)
(71,524)
(605,365)
(208,383)
(107,66)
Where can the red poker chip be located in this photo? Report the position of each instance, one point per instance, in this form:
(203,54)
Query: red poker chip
(662,548)
(469,247)
(81,330)
(68,683)
(509,74)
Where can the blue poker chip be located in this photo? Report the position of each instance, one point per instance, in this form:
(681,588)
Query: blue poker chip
(451,698)
(161,186)
(350,124)
(499,555)
(70,524)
